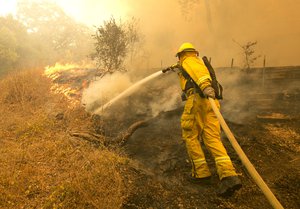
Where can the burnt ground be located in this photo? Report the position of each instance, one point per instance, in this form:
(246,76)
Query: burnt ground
(269,135)
(162,166)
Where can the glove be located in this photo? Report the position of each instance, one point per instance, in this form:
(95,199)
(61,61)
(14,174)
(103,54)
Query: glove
(209,92)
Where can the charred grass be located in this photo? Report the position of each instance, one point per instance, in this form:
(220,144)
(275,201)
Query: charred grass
(42,166)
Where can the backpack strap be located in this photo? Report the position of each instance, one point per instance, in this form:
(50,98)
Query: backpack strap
(214,83)
(190,83)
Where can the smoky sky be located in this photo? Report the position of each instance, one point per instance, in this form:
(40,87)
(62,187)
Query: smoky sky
(211,25)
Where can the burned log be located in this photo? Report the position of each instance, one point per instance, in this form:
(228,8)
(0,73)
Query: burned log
(100,140)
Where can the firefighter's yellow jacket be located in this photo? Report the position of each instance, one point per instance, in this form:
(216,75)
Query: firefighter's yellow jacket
(199,122)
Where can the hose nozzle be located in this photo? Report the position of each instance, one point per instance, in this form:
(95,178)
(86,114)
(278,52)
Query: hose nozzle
(172,67)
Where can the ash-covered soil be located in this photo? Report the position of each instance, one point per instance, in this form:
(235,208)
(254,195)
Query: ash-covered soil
(161,165)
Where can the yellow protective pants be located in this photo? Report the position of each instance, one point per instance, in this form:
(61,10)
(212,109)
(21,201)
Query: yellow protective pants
(199,121)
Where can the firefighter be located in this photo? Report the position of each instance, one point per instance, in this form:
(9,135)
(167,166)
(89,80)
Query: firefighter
(198,122)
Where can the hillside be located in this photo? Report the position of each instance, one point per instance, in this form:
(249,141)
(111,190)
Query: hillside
(57,155)
(44,165)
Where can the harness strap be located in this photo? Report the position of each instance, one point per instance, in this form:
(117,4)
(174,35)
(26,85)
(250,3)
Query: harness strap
(190,83)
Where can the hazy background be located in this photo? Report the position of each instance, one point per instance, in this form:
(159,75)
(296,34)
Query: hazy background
(43,34)
(209,24)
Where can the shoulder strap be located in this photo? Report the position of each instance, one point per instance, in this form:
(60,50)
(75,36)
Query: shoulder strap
(190,82)
(214,83)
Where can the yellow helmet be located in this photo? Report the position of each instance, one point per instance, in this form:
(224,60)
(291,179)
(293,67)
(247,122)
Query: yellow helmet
(186,47)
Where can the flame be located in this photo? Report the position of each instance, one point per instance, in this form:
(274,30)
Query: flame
(67,88)
(51,71)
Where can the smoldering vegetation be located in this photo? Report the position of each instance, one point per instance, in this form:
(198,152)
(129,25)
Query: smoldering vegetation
(147,101)
(248,94)
(102,90)
(259,92)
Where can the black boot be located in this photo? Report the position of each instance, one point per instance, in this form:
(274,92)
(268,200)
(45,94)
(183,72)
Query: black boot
(229,185)
(201,181)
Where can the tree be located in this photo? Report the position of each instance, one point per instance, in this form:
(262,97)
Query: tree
(249,53)
(61,38)
(8,45)
(134,37)
(13,39)
(113,43)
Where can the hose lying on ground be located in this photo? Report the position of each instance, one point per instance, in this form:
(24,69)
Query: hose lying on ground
(246,162)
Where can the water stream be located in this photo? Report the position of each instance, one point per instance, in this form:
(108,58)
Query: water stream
(127,92)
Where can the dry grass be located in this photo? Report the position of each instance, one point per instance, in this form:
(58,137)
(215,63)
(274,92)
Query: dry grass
(41,165)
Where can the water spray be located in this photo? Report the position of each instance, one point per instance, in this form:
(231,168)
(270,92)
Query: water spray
(127,92)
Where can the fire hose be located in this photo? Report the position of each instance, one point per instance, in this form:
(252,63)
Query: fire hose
(246,162)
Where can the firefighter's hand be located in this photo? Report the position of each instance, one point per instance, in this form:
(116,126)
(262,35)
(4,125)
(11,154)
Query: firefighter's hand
(209,92)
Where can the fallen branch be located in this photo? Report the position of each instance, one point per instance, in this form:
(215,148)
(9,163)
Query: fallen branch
(93,138)
(100,140)
(123,137)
